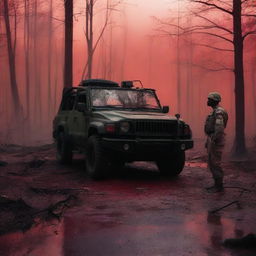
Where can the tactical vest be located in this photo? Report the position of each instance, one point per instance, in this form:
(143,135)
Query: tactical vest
(209,127)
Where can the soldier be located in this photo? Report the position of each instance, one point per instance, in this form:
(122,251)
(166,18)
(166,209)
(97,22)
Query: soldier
(215,124)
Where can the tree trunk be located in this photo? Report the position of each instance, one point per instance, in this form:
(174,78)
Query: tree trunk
(178,70)
(239,143)
(110,63)
(37,106)
(89,36)
(26,48)
(124,48)
(189,83)
(50,34)
(68,62)
(11,56)
(254,90)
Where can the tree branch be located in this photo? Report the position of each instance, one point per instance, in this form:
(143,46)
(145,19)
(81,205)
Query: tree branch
(249,15)
(212,34)
(213,69)
(102,31)
(213,5)
(253,32)
(215,48)
(215,24)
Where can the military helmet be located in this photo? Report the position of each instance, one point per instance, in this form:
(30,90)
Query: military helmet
(214,96)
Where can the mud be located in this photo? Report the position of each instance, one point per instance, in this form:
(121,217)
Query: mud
(134,212)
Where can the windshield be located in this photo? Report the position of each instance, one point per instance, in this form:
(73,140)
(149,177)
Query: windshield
(124,99)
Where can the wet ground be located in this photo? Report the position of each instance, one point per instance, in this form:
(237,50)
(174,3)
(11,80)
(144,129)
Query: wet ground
(135,212)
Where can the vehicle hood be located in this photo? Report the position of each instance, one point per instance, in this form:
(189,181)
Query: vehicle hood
(133,115)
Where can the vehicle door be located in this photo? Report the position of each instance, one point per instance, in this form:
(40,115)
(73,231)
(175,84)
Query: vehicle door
(81,119)
(66,110)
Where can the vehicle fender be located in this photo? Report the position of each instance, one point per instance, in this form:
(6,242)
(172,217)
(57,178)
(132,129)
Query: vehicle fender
(96,127)
(62,127)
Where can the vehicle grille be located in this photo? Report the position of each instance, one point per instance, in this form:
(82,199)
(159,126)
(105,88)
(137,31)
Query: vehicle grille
(156,127)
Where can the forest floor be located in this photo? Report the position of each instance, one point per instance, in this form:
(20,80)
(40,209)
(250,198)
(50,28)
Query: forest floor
(51,209)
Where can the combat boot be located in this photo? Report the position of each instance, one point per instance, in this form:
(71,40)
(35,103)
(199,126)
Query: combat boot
(217,187)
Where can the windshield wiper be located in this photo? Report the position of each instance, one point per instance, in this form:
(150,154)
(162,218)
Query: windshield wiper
(109,106)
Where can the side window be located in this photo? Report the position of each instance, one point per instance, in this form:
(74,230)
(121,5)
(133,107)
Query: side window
(81,98)
(68,102)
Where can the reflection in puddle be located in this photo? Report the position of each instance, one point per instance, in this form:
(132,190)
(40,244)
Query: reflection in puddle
(38,241)
(210,231)
(196,164)
(148,233)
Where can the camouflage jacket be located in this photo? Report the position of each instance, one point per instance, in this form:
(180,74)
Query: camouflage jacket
(215,124)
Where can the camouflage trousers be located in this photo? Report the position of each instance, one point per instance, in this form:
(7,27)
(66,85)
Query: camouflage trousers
(214,151)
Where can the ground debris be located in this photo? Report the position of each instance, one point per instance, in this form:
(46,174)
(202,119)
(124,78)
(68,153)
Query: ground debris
(54,191)
(36,163)
(18,215)
(14,205)
(56,210)
(225,206)
(142,189)
(248,241)
(3,163)
(10,148)
(15,215)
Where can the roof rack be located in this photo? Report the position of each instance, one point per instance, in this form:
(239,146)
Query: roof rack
(98,82)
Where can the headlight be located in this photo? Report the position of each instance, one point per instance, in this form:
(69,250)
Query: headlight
(124,127)
(187,131)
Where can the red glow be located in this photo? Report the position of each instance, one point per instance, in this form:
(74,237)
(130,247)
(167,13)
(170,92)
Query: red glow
(111,128)
(132,47)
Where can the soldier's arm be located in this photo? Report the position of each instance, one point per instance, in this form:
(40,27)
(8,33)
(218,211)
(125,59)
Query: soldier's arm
(219,126)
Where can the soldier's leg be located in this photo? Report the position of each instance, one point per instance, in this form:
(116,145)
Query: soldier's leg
(210,160)
(216,156)
(214,162)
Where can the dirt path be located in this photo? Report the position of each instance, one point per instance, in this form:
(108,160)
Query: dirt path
(136,212)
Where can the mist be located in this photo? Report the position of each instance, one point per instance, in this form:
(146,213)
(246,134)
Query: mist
(142,40)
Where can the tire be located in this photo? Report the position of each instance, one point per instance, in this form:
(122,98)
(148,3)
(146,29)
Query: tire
(64,149)
(97,163)
(172,165)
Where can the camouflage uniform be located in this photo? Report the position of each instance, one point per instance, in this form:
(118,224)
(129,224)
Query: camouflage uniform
(214,128)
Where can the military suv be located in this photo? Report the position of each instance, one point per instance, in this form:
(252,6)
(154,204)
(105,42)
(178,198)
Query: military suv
(115,124)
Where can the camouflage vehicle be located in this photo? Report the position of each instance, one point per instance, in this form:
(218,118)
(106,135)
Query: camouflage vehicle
(115,124)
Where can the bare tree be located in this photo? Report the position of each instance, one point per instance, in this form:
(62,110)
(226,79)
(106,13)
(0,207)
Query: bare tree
(236,9)
(89,32)
(11,58)
(178,71)
(27,54)
(234,34)
(50,35)
(37,105)
(68,62)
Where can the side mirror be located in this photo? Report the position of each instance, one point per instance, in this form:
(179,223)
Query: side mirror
(81,106)
(177,116)
(165,109)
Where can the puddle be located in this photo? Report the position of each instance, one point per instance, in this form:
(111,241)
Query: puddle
(148,233)
(40,240)
(196,164)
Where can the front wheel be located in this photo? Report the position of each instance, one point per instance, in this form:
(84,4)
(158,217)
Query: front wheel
(96,159)
(172,165)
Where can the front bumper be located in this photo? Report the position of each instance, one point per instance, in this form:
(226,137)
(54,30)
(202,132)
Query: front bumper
(145,148)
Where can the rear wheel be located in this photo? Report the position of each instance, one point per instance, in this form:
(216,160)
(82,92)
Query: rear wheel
(64,149)
(96,159)
(172,165)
